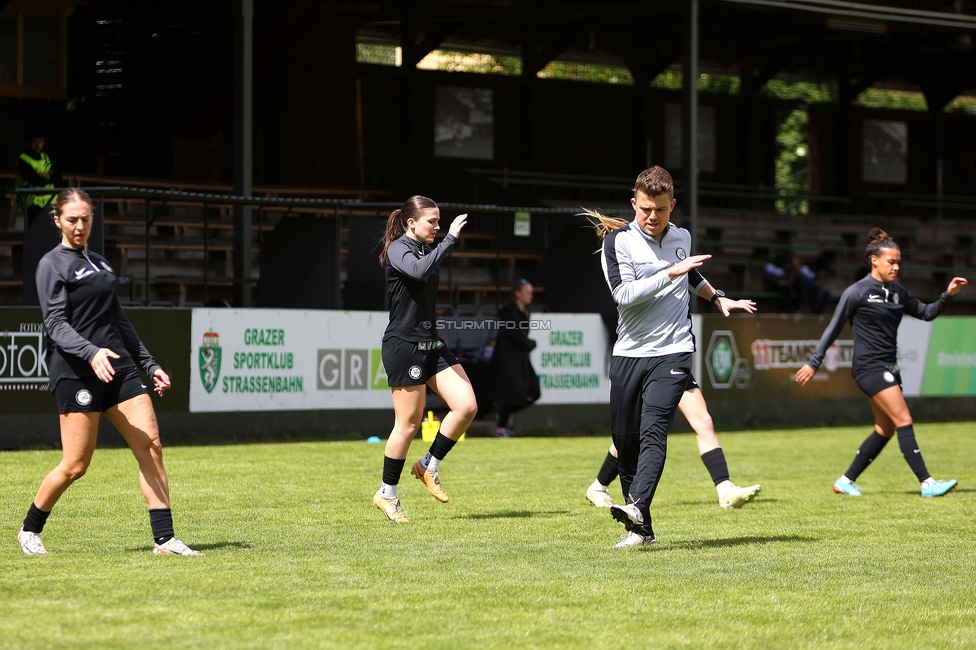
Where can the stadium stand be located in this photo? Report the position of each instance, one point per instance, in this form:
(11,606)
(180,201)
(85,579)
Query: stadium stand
(184,248)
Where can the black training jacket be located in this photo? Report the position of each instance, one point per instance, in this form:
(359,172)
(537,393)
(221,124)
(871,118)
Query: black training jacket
(874,310)
(411,279)
(82,313)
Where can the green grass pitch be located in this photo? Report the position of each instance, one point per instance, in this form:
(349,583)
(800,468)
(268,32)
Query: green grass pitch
(297,556)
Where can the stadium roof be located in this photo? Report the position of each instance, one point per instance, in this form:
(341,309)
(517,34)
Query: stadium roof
(926,44)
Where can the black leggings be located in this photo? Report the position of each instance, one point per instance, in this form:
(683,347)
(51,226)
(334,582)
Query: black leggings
(505,410)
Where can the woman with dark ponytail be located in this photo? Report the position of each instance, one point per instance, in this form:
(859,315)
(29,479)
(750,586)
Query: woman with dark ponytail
(874,306)
(413,354)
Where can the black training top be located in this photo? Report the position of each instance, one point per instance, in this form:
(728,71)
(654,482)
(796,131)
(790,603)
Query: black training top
(874,310)
(411,280)
(82,313)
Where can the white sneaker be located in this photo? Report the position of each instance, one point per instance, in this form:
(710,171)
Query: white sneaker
(599,498)
(174,547)
(633,539)
(629,515)
(30,543)
(737,496)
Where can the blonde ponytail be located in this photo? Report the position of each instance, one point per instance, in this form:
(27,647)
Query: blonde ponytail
(603,224)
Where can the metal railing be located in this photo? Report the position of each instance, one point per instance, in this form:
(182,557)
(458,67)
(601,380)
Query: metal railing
(156,199)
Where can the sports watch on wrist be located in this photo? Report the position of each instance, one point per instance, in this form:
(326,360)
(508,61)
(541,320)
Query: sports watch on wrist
(715,296)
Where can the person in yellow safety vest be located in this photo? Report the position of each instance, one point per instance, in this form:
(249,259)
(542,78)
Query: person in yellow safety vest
(33,171)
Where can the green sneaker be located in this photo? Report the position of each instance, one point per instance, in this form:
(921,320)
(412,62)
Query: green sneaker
(939,488)
(850,489)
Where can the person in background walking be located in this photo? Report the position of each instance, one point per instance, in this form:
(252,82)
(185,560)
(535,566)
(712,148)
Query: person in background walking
(515,383)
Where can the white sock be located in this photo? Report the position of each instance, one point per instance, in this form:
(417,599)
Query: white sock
(597,485)
(432,464)
(844,479)
(928,482)
(723,488)
(425,461)
(388,491)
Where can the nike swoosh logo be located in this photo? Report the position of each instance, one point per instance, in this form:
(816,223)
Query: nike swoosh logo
(676,372)
(918,451)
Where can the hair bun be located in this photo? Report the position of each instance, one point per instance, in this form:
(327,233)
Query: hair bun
(877,235)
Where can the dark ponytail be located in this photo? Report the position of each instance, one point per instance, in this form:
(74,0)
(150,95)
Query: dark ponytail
(878,240)
(396,224)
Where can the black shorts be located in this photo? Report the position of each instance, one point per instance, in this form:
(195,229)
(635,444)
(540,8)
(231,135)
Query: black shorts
(92,395)
(629,377)
(412,364)
(874,378)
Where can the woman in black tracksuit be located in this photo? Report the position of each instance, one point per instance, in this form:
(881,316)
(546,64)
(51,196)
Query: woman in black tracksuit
(874,305)
(91,357)
(515,382)
(413,354)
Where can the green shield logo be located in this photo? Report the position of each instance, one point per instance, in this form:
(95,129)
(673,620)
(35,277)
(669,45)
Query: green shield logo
(209,359)
(722,360)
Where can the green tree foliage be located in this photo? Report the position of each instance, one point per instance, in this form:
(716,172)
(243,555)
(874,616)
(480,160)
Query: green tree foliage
(473,62)
(791,163)
(804,91)
(724,84)
(376,54)
(608,74)
(892,99)
(962,104)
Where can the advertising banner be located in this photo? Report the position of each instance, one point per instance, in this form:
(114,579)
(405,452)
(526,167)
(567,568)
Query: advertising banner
(268,359)
(571,358)
(23,370)
(760,356)
(913,345)
(263,359)
(950,367)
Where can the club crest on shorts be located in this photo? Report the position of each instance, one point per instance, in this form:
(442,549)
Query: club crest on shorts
(415,372)
(209,359)
(681,253)
(888,377)
(83,397)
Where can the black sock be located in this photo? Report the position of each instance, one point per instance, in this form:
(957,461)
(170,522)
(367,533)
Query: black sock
(161,520)
(911,452)
(392,468)
(35,519)
(609,470)
(441,445)
(715,464)
(866,454)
